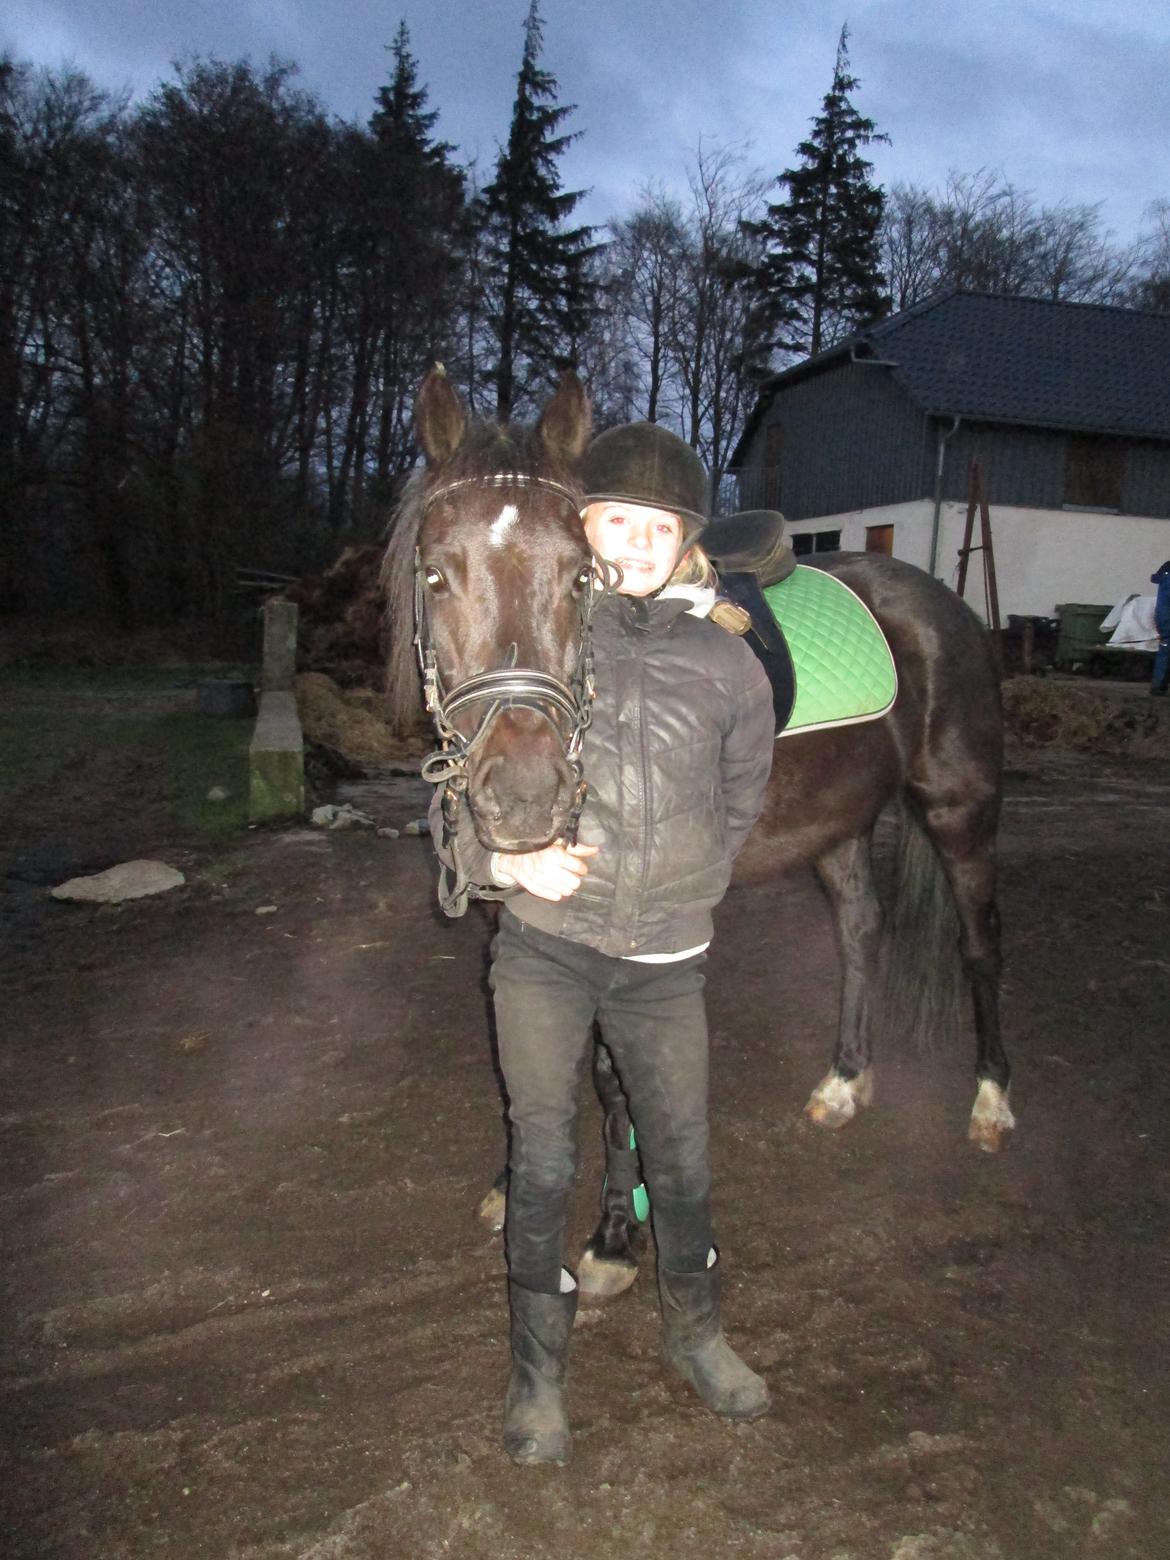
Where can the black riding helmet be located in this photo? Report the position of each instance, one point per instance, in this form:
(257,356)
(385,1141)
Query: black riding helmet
(642,463)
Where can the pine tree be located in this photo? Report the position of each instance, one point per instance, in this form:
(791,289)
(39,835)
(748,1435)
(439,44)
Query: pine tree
(538,293)
(821,275)
(413,215)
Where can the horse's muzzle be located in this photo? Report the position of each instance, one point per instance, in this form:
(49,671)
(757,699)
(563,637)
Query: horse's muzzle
(521,789)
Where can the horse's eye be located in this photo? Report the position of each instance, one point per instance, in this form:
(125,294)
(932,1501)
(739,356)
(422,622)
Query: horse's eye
(433,576)
(583,580)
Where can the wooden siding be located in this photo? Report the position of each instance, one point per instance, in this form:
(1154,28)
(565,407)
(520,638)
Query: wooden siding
(1026,467)
(850,439)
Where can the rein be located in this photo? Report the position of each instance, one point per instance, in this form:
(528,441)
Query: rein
(568,707)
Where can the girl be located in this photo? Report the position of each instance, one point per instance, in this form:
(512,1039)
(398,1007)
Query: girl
(615,929)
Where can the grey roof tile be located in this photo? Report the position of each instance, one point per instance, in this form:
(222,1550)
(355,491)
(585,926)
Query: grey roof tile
(1087,367)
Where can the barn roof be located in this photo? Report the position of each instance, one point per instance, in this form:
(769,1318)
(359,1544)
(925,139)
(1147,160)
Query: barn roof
(1081,367)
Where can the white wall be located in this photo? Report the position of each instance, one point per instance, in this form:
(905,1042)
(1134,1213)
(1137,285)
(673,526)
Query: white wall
(1042,556)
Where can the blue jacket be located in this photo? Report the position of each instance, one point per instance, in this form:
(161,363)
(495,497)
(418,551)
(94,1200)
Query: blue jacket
(1161,578)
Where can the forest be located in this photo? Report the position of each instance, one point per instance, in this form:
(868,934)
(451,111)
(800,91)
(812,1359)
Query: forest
(217,303)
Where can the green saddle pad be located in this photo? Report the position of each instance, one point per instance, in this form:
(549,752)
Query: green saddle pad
(844,670)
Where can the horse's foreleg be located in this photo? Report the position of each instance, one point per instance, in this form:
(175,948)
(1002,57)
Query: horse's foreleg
(609,1265)
(846,874)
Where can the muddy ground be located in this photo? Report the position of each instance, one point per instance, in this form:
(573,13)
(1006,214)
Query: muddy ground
(250,1312)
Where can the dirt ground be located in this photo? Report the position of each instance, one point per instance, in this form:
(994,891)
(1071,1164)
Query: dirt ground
(250,1312)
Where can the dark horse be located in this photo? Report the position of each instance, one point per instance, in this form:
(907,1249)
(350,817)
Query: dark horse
(490,554)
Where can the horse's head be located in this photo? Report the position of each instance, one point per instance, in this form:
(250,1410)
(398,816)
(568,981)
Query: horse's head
(502,583)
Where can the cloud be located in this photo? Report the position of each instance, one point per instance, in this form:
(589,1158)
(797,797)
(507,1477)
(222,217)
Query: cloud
(1066,100)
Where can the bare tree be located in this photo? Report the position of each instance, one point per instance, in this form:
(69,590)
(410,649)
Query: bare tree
(606,352)
(677,281)
(74,335)
(908,246)
(1075,261)
(234,164)
(1150,288)
(714,342)
(983,234)
(647,256)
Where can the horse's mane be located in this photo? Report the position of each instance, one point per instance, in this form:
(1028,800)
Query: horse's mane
(486,449)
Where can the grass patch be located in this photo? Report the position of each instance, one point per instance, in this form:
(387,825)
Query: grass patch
(68,763)
(121,679)
(203,752)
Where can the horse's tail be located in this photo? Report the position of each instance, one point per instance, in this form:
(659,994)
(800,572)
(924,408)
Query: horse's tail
(925,984)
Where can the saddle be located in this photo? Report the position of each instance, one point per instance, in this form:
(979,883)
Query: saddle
(751,543)
(826,656)
(750,551)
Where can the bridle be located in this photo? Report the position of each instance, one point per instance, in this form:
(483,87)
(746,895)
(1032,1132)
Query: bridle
(568,707)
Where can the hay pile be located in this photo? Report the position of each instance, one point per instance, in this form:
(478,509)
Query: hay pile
(341,627)
(350,723)
(1039,712)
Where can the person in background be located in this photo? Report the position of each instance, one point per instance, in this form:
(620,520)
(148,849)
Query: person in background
(1160,679)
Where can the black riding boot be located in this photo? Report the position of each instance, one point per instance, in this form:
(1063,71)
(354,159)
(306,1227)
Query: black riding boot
(695,1345)
(536,1427)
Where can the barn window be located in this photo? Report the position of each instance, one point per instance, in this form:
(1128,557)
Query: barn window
(1094,472)
(806,542)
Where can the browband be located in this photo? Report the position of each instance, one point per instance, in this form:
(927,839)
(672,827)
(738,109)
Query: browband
(506,479)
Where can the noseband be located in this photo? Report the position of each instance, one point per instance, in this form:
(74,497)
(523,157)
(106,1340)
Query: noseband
(568,707)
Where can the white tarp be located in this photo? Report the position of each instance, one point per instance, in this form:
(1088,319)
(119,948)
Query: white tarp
(1132,624)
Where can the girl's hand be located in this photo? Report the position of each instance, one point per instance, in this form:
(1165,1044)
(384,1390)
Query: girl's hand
(552,873)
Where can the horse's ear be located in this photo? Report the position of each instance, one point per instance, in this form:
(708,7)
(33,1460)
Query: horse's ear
(566,422)
(439,417)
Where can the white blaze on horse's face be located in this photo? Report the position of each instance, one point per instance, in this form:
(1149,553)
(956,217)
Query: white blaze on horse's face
(502,524)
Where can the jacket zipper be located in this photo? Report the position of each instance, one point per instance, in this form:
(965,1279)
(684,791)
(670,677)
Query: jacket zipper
(644,750)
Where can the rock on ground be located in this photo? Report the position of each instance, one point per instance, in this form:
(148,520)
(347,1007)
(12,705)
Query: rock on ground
(128,880)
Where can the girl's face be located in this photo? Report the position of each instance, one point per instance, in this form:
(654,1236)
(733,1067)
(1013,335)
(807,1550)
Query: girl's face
(643,542)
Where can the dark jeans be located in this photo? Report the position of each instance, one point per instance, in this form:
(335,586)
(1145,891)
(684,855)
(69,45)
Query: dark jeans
(548,992)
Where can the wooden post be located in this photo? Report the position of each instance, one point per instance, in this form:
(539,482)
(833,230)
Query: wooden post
(1028,647)
(977,500)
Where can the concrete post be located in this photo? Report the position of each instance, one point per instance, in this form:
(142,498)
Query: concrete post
(277,761)
(280,646)
(277,756)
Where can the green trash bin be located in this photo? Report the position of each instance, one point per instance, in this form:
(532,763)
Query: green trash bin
(1079,634)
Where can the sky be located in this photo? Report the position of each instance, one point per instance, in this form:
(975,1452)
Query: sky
(1069,101)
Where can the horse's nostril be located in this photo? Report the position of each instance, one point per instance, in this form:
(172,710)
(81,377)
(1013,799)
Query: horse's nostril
(521,797)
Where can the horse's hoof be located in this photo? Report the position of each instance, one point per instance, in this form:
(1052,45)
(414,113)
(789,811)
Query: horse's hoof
(991,1118)
(835,1100)
(493,1208)
(601,1279)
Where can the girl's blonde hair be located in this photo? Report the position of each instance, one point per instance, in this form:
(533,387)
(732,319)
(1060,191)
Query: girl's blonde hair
(694,568)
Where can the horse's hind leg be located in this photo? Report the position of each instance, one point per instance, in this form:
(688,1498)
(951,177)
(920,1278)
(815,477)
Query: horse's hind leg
(609,1265)
(965,840)
(846,874)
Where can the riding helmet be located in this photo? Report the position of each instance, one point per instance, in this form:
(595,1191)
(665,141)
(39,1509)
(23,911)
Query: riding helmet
(641,463)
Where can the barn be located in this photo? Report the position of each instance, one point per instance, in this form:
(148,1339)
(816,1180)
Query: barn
(1065,408)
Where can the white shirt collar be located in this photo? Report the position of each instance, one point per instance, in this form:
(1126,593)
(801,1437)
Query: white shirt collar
(701,597)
